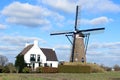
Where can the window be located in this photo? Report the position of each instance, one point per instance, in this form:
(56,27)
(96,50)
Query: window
(32,57)
(45,65)
(50,64)
(38,58)
(39,64)
(82,60)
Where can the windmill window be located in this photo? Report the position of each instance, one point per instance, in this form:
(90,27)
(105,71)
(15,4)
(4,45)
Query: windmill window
(82,60)
(32,57)
(38,58)
(76,54)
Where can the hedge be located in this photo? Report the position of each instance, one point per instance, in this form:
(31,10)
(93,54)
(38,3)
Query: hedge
(49,70)
(46,70)
(78,67)
(74,69)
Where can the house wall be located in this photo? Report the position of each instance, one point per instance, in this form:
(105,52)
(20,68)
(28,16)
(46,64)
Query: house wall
(54,63)
(35,50)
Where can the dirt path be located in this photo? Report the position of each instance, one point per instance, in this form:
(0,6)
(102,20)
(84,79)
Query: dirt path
(1,78)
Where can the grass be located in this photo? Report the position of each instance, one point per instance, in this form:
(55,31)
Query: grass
(62,76)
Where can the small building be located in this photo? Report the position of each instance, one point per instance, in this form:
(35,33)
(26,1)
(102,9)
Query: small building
(35,56)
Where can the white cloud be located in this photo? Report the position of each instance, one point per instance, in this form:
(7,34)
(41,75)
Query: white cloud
(100,20)
(29,15)
(9,48)
(107,53)
(108,60)
(99,5)
(2,26)
(10,43)
(87,5)
(62,47)
(19,40)
(65,5)
(111,45)
(96,21)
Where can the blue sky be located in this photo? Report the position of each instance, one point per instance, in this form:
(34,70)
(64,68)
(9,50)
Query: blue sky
(24,21)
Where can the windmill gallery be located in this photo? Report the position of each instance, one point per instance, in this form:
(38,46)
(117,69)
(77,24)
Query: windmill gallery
(79,40)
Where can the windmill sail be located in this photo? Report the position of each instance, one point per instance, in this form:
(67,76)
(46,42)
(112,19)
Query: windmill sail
(78,53)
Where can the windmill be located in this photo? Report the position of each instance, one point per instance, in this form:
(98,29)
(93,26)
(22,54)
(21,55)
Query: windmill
(79,41)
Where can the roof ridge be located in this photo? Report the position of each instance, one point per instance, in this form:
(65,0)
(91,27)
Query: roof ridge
(47,48)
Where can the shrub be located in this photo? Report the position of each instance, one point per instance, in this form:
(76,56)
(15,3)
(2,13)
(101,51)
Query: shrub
(26,70)
(1,67)
(6,69)
(96,68)
(39,69)
(11,67)
(106,68)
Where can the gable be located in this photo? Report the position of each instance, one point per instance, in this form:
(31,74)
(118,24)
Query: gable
(50,54)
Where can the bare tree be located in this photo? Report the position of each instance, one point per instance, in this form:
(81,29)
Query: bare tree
(3,60)
(116,67)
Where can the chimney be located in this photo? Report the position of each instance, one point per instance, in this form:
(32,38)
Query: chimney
(26,44)
(53,49)
(36,42)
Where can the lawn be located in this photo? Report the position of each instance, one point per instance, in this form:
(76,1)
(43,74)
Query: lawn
(62,76)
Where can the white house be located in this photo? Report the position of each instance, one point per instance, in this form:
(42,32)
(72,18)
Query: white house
(35,56)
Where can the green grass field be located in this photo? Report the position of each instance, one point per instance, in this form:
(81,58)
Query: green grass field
(62,76)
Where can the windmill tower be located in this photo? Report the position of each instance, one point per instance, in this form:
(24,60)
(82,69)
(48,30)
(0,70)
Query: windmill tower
(79,49)
(79,42)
